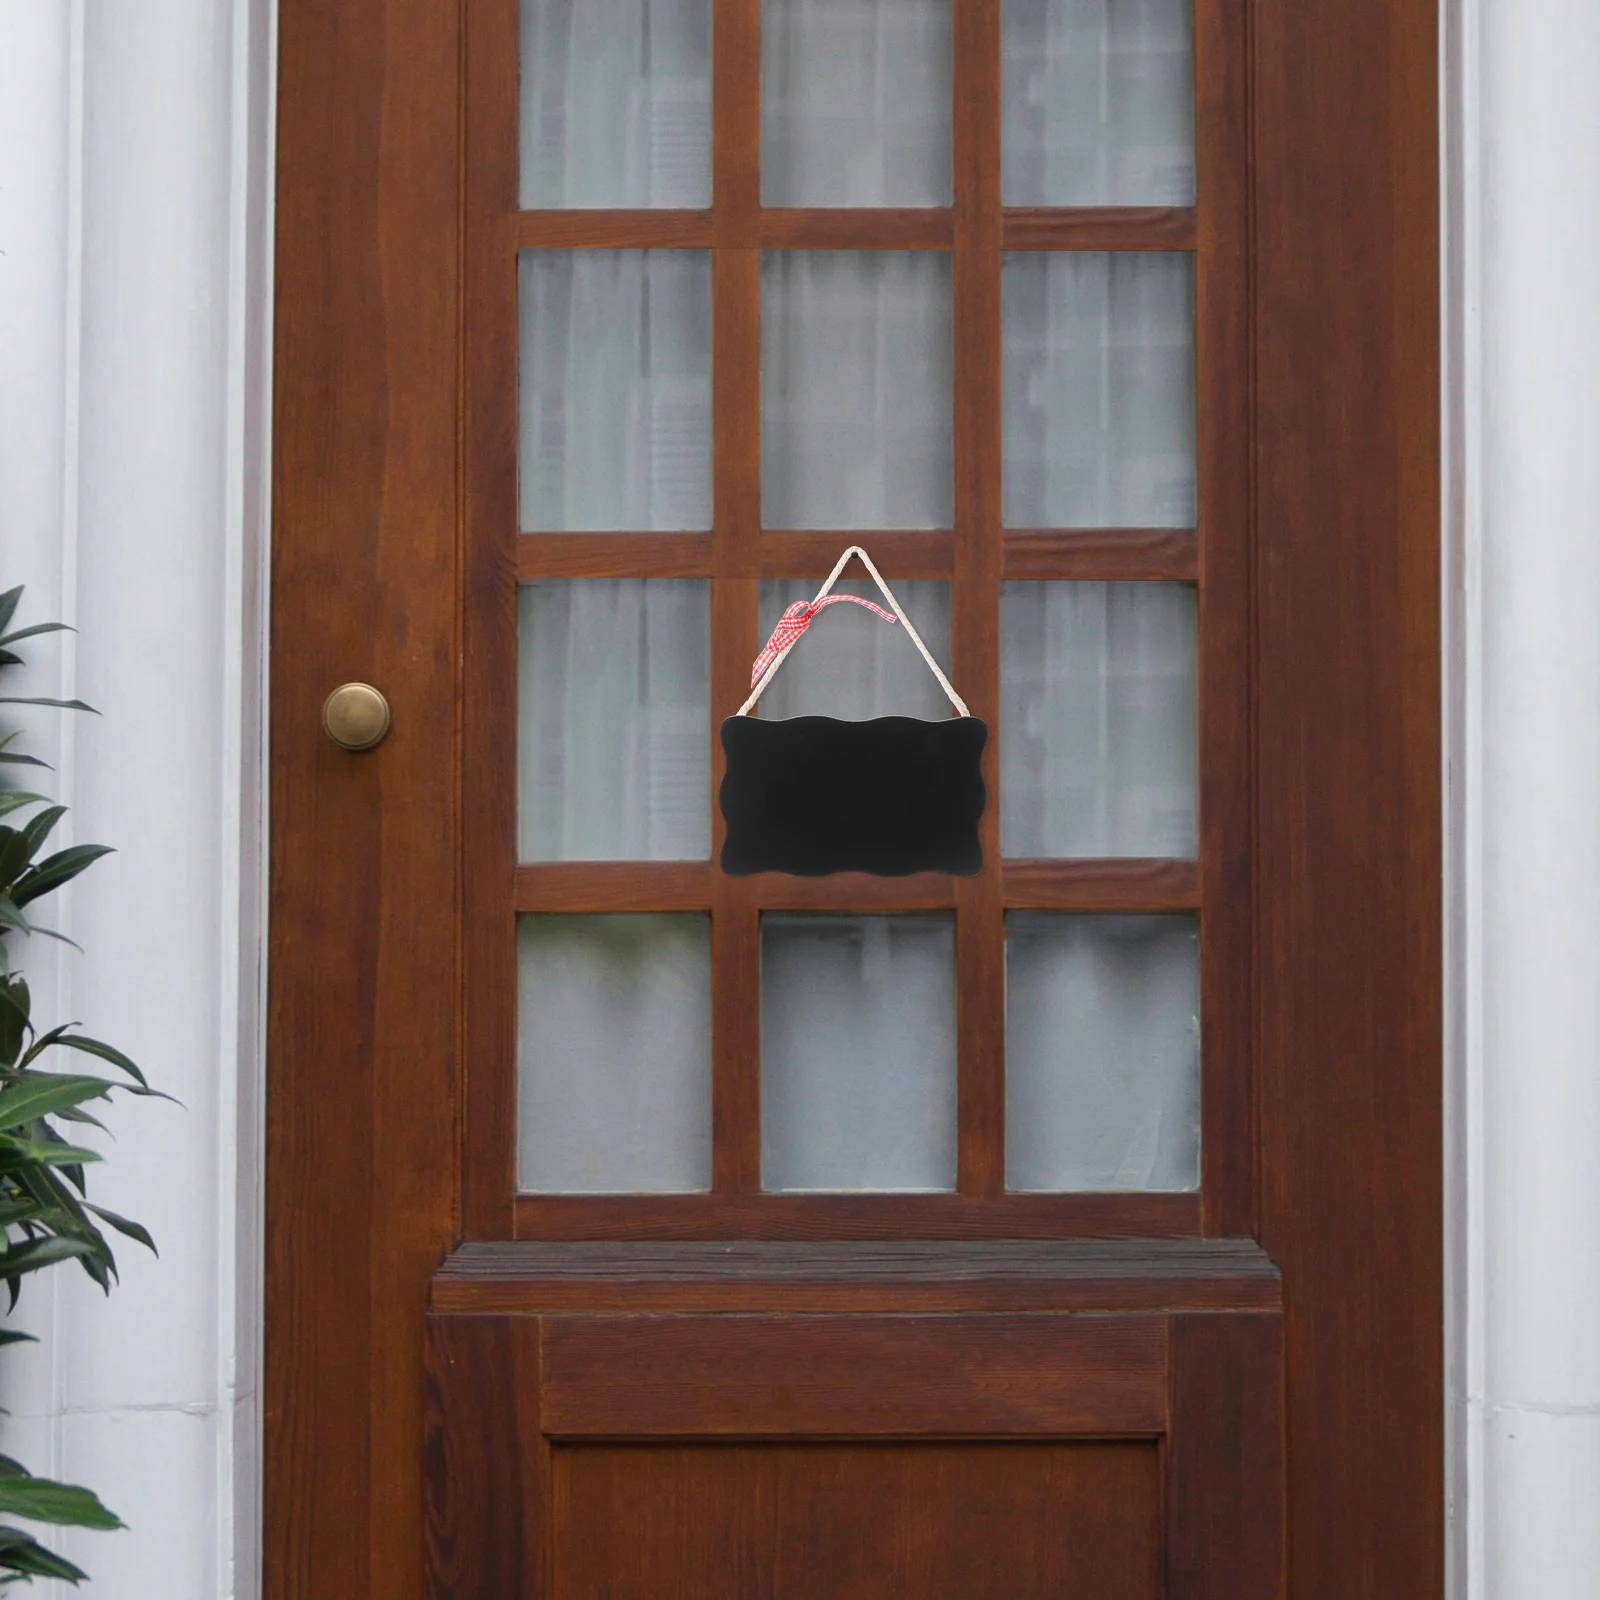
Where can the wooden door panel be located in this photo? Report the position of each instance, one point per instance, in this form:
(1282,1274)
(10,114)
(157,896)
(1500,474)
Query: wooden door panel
(938,1521)
(859,1376)
(1072,1448)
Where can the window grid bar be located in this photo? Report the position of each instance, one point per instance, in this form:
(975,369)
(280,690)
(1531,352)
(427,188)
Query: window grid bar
(976,555)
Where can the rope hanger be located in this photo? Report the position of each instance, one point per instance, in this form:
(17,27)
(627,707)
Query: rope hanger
(797,618)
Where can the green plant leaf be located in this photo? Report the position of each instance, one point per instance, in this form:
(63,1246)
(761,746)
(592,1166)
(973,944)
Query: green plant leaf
(65,1504)
(76,1114)
(32,1254)
(17,1153)
(12,1468)
(106,1052)
(8,604)
(15,854)
(16,1336)
(36,628)
(22,1553)
(130,1230)
(45,700)
(15,799)
(38,828)
(43,1093)
(14,1018)
(53,871)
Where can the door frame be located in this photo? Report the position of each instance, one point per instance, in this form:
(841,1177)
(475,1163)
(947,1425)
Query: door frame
(367,892)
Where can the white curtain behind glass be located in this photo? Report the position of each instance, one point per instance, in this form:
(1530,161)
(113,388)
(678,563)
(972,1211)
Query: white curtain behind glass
(853,665)
(1098,390)
(858,1053)
(1102,1052)
(616,103)
(855,103)
(855,389)
(613,720)
(1098,102)
(1097,719)
(614,360)
(614,1054)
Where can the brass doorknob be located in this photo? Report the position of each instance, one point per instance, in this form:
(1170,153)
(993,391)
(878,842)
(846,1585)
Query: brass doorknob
(356,716)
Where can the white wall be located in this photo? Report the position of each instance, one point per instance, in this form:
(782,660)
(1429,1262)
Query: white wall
(1522,130)
(133,220)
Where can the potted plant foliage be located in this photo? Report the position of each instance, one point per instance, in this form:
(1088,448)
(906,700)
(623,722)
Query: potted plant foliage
(44,1201)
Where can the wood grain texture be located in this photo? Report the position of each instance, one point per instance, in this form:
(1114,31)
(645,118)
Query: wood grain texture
(857,1376)
(597,886)
(485,1505)
(488,777)
(1104,555)
(975,597)
(1114,884)
(736,498)
(793,1522)
(604,230)
(1225,1458)
(613,555)
(1222,454)
(526,1277)
(1348,776)
(895,554)
(361,1171)
(859,228)
(752,1215)
(1099,228)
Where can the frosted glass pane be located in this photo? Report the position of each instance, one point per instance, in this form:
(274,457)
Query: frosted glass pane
(855,389)
(1098,102)
(614,1054)
(614,431)
(855,102)
(1097,719)
(853,665)
(858,1053)
(1098,390)
(613,720)
(616,103)
(1102,1051)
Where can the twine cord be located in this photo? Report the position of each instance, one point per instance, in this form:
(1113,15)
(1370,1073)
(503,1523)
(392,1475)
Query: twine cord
(894,605)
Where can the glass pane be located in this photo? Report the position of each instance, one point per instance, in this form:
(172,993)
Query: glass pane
(1098,390)
(613,720)
(853,665)
(855,389)
(1097,719)
(855,102)
(616,103)
(1102,1051)
(615,390)
(858,1053)
(614,1054)
(1099,102)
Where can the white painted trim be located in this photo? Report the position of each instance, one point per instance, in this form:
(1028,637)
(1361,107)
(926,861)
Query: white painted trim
(1461,595)
(135,338)
(1521,398)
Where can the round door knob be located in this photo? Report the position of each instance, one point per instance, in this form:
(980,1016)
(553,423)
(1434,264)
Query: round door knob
(356,716)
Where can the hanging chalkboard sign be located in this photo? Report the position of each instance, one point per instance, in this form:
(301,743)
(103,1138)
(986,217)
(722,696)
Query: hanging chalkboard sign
(814,795)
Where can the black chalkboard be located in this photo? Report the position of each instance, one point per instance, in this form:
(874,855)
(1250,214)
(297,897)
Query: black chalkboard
(813,795)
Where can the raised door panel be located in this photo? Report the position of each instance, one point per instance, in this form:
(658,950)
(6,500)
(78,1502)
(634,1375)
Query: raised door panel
(579,1452)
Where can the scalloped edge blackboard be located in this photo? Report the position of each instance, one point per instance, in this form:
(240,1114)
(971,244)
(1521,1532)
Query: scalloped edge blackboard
(890,796)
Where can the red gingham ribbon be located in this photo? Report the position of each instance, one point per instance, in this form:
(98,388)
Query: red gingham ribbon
(796,620)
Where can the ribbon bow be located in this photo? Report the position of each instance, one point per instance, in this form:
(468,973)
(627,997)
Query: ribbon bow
(796,620)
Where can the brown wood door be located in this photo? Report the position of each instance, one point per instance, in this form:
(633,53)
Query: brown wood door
(619,1242)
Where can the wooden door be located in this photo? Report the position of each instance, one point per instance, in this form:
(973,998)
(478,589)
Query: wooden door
(618,1241)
